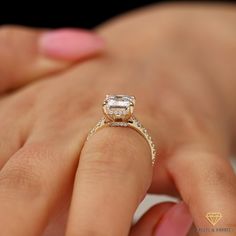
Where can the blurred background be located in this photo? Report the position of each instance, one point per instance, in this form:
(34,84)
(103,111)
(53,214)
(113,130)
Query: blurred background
(83,13)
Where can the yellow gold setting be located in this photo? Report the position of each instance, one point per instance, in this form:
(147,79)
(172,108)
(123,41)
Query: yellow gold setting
(118,112)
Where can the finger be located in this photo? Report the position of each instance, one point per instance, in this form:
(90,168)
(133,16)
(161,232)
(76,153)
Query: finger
(164,219)
(147,223)
(14,131)
(33,183)
(207,183)
(9,144)
(27,54)
(114,174)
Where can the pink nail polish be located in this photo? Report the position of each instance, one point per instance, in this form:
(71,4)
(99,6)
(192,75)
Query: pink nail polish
(70,44)
(177,221)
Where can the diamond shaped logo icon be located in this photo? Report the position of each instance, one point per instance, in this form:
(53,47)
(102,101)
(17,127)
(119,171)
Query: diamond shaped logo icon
(213,217)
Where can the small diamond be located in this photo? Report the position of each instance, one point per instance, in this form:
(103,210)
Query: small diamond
(118,124)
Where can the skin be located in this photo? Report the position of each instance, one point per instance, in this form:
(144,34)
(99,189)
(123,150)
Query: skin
(179,62)
(28,54)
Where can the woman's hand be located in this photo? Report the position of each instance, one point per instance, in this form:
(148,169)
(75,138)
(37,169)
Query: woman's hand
(178,62)
(28,54)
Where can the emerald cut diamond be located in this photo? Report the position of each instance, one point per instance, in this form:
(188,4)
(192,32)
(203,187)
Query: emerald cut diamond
(118,107)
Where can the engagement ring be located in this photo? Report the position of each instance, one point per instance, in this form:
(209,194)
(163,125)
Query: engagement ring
(118,112)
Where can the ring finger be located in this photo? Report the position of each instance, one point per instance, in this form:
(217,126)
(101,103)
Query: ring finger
(113,176)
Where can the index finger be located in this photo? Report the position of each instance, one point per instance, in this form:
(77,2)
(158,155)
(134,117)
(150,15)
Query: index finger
(114,173)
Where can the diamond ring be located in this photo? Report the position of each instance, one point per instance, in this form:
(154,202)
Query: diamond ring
(118,112)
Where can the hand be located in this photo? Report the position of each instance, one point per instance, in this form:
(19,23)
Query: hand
(178,99)
(27,54)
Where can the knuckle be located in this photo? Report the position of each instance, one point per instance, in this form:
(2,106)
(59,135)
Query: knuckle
(106,162)
(208,170)
(219,175)
(114,155)
(109,152)
(21,180)
(22,175)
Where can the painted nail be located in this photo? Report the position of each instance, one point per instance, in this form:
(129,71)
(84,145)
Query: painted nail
(70,44)
(176,221)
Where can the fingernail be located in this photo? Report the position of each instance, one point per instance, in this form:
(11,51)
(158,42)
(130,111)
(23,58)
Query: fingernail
(177,221)
(70,44)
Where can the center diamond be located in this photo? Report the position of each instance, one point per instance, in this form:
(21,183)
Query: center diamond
(118,107)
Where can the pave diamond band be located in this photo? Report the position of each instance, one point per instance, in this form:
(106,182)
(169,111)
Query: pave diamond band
(118,111)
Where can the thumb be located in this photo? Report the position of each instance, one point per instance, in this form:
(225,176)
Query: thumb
(164,219)
(28,54)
